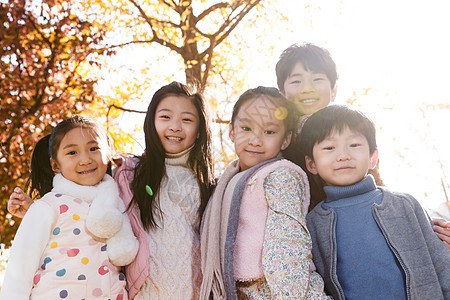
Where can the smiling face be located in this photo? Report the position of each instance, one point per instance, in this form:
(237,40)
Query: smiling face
(81,157)
(258,132)
(308,91)
(176,122)
(342,158)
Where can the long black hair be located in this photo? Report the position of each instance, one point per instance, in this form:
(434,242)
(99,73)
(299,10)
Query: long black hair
(150,168)
(40,180)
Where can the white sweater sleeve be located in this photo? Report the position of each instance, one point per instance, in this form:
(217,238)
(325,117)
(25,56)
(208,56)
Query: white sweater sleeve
(28,245)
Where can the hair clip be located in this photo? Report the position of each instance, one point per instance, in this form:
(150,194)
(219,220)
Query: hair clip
(149,190)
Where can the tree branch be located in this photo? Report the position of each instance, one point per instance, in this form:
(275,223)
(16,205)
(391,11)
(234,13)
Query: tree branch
(221,121)
(149,20)
(126,109)
(235,21)
(155,37)
(132,42)
(172,4)
(223,32)
(211,9)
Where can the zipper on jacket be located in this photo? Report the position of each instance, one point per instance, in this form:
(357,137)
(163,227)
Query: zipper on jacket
(334,257)
(402,264)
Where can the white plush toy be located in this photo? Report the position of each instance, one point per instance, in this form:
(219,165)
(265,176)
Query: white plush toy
(107,218)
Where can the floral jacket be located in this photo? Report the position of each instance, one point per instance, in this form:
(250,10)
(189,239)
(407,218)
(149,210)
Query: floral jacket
(283,247)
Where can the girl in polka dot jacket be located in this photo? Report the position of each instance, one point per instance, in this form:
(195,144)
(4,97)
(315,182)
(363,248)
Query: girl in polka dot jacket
(71,242)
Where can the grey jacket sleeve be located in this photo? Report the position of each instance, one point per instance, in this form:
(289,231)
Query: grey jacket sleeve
(440,254)
(423,255)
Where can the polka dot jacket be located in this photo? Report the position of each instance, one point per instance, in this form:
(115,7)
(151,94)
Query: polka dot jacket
(74,265)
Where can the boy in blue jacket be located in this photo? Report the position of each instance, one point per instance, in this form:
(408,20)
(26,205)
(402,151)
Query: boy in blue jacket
(368,242)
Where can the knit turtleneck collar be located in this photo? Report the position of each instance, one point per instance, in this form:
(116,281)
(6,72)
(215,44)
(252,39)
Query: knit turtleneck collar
(341,192)
(178,159)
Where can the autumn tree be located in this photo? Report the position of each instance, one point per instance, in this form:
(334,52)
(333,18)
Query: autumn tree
(45,73)
(44,50)
(192,29)
(202,34)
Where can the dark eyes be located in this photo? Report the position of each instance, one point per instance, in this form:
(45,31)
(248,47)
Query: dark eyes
(354,145)
(94,148)
(166,117)
(246,128)
(297,81)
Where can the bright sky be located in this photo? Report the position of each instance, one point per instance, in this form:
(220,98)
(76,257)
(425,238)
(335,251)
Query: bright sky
(400,50)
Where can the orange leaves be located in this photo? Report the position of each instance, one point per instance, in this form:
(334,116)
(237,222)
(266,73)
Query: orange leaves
(43,53)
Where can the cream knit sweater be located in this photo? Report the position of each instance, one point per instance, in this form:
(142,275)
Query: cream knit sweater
(175,245)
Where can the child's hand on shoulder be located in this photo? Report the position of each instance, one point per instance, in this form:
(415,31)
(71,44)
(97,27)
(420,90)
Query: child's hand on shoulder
(442,229)
(19,202)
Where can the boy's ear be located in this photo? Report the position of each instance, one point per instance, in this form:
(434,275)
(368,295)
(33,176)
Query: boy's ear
(310,165)
(231,132)
(373,159)
(286,141)
(55,166)
(333,93)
